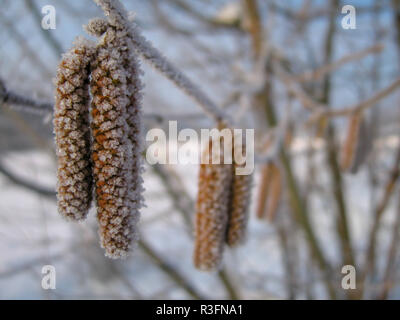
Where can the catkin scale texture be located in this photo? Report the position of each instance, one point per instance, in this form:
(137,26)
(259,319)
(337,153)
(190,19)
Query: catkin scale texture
(72,135)
(211,212)
(116,143)
(239,206)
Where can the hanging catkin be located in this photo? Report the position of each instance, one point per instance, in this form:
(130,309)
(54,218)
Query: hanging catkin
(239,204)
(350,143)
(275,193)
(215,181)
(71,128)
(356,145)
(263,190)
(116,112)
(269,192)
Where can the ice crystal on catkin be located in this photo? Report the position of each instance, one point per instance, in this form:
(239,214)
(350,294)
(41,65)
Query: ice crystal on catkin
(116,128)
(71,128)
(239,206)
(212,208)
(96,27)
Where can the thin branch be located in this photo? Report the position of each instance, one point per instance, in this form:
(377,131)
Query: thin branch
(169,270)
(321,109)
(166,23)
(181,200)
(298,203)
(341,223)
(27,184)
(215,23)
(30,105)
(255,25)
(369,264)
(25,127)
(26,104)
(390,271)
(318,73)
(223,276)
(361,106)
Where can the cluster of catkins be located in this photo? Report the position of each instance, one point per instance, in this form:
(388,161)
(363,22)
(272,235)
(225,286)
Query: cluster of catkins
(221,208)
(97,124)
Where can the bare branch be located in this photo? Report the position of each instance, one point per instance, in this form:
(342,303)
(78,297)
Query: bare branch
(27,184)
(318,73)
(27,104)
(169,270)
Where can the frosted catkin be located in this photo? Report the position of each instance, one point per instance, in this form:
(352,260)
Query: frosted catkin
(269,192)
(356,145)
(239,206)
(71,128)
(214,187)
(275,193)
(116,112)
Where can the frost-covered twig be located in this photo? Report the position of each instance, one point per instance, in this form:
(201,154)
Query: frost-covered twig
(318,73)
(27,184)
(118,18)
(25,103)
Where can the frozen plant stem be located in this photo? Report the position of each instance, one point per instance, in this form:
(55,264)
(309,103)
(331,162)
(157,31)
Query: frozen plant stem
(28,104)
